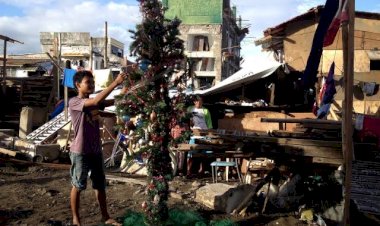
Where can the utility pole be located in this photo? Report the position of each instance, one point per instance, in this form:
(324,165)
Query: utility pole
(56,71)
(91,60)
(105,45)
(348,30)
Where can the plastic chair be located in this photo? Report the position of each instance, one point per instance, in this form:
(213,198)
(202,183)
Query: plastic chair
(216,164)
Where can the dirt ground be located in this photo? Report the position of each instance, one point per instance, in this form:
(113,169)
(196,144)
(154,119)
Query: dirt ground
(38,195)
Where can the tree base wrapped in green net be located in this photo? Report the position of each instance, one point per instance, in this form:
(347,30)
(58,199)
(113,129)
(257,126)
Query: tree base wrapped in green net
(176,218)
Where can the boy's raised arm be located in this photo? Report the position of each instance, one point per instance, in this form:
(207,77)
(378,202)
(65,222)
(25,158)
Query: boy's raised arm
(103,94)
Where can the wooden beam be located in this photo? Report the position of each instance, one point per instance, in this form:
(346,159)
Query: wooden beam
(4,85)
(347,130)
(322,126)
(7,39)
(293,120)
(105,45)
(331,161)
(125,180)
(8,152)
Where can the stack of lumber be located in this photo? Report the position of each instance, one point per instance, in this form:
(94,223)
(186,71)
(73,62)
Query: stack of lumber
(31,91)
(309,128)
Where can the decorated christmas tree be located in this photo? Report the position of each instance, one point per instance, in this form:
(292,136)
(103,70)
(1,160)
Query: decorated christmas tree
(146,113)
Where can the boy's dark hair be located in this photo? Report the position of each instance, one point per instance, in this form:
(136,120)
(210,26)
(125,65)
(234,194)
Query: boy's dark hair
(79,75)
(197,98)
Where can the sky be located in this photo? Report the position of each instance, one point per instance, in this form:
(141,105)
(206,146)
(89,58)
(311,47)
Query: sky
(23,20)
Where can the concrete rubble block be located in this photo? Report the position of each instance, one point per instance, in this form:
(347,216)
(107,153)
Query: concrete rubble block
(26,121)
(136,168)
(41,152)
(23,146)
(62,135)
(49,152)
(223,197)
(6,138)
(176,195)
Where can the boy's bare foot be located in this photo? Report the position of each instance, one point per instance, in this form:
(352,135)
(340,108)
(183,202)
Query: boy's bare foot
(76,222)
(112,222)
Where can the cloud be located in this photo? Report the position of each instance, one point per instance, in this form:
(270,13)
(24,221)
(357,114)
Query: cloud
(26,3)
(86,16)
(305,5)
(89,16)
(262,16)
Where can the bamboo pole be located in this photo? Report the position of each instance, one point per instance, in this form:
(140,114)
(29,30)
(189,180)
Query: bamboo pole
(348,30)
(5,67)
(91,60)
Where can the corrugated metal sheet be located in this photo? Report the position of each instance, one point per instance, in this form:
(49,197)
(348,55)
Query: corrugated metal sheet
(365,190)
(243,76)
(195,11)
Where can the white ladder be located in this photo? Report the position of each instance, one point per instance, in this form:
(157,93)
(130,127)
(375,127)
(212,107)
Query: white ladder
(45,131)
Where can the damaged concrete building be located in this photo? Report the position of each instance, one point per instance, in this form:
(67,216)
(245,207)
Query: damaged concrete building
(212,33)
(80,49)
(291,42)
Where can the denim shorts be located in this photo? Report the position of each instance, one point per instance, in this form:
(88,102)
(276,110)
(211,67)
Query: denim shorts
(87,165)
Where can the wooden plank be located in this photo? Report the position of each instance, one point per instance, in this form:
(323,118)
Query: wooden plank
(284,133)
(126,180)
(322,126)
(293,120)
(43,164)
(289,141)
(189,147)
(328,160)
(8,152)
(314,151)
(222,155)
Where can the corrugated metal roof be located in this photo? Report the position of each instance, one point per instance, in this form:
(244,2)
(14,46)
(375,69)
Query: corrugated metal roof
(312,13)
(22,59)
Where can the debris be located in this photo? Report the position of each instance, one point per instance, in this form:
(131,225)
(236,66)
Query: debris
(307,215)
(320,221)
(176,195)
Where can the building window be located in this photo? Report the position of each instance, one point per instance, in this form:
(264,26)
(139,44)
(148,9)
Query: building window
(200,43)
(204,64)
(374,65)
(116,51)
(204,82)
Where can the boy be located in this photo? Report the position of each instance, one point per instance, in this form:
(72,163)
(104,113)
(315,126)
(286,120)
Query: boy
(85,151)
(201,119)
